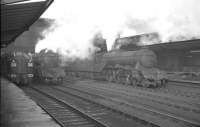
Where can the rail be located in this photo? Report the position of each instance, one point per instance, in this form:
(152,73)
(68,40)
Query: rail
(194,83)
(108,109)
(193,123)
(70,110)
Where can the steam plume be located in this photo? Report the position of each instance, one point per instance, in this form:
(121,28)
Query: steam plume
(77,21)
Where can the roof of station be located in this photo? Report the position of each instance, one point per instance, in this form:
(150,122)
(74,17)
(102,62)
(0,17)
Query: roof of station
(133,43)
(178,45)
(18,15)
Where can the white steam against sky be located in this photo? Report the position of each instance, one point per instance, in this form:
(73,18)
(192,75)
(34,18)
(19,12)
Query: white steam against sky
(76,22)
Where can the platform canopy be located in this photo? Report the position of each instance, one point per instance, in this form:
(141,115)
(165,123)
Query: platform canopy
(18,15)
(179,45)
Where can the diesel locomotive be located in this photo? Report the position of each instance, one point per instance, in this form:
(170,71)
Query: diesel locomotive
(18,67)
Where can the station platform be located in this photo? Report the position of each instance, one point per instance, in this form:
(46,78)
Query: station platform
(18,110)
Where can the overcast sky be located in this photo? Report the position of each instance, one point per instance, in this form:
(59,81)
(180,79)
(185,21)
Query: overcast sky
(77,21)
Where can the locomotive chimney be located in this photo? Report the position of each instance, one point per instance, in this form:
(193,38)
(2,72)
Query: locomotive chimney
(100,43)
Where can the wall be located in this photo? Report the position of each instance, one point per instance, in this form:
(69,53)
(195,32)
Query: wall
(178,60)
(170,60)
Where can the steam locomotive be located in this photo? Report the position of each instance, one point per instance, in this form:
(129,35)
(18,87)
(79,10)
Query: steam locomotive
(47,67)
(126,67)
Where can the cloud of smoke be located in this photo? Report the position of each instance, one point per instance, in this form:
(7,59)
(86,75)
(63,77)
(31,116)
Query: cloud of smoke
(69,39)
(180,23)
(77,21)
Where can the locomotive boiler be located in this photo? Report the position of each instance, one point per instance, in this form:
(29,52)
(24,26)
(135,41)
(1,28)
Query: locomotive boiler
(133,67)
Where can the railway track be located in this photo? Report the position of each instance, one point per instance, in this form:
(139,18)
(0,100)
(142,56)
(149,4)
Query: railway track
(182,89)
(173,88)
(64,113)
(181,120)
(177,88)
(93,113)
(171,92)
(194,84)
(126,90)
